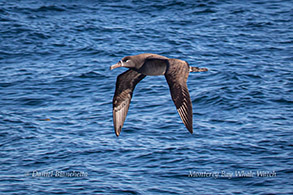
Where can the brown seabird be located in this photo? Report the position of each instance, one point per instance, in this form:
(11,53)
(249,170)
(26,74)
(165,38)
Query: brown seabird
(176,73)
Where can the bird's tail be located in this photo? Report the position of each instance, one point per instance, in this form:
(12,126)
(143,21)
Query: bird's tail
(197,69)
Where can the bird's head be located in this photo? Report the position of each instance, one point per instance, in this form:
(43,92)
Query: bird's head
(126,62)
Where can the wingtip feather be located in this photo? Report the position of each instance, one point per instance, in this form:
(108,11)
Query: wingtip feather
(190,130)
(117,129)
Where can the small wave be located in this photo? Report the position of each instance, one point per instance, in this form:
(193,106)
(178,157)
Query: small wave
(92,74)
(49,8)
(258,24)
(205,11)
(35,35)
(31,101)
(128,191)
(6,84)
(282,101)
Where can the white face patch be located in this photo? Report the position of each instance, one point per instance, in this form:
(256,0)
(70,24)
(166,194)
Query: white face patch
(121,63)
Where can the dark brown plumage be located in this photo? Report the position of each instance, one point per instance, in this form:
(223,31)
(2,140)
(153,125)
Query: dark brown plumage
(125,85)
(176,73)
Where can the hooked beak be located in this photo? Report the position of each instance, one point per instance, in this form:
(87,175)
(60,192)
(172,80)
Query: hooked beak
(119,64)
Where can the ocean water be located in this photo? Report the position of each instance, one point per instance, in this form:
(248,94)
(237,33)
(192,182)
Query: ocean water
(56,90)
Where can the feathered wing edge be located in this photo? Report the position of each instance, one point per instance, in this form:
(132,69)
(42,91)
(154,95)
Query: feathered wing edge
(181,98)
(125,85)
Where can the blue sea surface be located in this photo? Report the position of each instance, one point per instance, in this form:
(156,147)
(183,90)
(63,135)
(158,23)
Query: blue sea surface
(56,90)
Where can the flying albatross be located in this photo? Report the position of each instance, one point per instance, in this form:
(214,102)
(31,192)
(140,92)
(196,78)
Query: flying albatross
(176,73)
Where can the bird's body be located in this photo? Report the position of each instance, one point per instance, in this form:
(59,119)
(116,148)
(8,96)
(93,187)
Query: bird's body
(176,73)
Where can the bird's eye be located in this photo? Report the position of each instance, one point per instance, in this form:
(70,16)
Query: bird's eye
(126,60)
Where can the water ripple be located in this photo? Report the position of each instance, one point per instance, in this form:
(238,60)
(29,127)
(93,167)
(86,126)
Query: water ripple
(56,93)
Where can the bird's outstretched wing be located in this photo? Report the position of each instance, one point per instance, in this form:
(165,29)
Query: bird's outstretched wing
(181,99)
(125,85)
